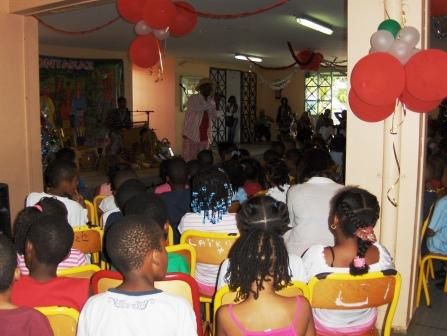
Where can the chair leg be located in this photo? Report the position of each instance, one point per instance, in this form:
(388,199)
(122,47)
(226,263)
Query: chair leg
(421,278)
(425,284)
(431,269)
(208,311)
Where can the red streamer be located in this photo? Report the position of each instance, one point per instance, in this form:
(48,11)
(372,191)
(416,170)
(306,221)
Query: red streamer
(81,32)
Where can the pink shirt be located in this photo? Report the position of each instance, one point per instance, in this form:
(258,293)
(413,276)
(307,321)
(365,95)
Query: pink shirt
(196,106)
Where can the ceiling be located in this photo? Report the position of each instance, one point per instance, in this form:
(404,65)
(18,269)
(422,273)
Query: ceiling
(263,35)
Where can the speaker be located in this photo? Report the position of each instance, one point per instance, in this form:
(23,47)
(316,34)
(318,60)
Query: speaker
(5,213)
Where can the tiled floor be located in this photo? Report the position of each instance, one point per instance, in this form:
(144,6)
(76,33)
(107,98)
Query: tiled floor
(430,321)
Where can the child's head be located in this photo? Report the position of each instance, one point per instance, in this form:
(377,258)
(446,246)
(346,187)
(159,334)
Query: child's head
(128,190)
(211,193)
(177,172)
(136,246)
(354,213)
(27,216)
(48,242)
(279,148)
(226,150)
(253,171)
(263,213)
(114,170)
(205,158)
(61,177)
(258,258)
(122,177)
(270,155)
(8,263)
(234,171)
(316,162)
(192,168)
(277,173)
(67,154)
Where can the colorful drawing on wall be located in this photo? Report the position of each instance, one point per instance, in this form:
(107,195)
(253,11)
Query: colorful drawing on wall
(78,93)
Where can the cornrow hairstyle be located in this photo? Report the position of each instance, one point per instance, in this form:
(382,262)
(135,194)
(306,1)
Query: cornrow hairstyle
(8,263)
(211,193)
(24,219)
(277,174)
(130,239)
(356,208)
(257,257)
(263,213)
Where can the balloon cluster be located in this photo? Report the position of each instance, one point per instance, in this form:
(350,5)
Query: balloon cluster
(309,60)
(396,70)
(155,20)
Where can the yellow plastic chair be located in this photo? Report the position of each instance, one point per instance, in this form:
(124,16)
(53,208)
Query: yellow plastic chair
(90,212)
(84,271)
(426,268)
(188,252)
(344,292)
(63,320)
(170,239)
(89,241)
(96,202)
(211,248)
(224,296)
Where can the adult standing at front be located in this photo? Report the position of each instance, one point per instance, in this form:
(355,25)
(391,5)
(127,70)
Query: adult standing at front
(231,118)
(284,116)
(309,203)
(200,113)
(116,120)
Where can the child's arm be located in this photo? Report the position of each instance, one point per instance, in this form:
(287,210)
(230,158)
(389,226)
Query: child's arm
(307,314)
(221,317)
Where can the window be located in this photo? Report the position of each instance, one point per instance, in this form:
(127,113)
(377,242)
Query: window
(325,90)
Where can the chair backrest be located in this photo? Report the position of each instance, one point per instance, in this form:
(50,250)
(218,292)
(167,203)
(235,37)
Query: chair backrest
(88,240)
(90,212)
(427,222)
(346,292)
(96,202)
(188,252)
(170,239)
(211,247)
(63,320)
(84,271)
(178,284)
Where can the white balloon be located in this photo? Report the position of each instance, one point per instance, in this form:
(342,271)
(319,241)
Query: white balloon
(162,34)
(381,40)
(372,50)
(410,35)
(141,28)
(401,50)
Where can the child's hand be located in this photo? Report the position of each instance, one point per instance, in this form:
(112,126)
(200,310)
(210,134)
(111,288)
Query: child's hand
(430,232)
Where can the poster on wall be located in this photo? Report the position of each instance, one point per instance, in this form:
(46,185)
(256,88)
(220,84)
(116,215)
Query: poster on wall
(77,94)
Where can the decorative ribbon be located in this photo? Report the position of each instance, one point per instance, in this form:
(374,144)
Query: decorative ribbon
(81,32)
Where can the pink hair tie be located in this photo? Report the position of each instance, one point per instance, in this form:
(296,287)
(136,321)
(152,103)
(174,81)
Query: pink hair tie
(359,262)
(38,207)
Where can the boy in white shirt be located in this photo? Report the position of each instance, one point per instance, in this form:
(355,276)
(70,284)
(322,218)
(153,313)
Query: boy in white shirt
(136,307)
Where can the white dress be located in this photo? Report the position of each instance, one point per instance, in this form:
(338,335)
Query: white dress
(309,206)
(315,263)
(279,195)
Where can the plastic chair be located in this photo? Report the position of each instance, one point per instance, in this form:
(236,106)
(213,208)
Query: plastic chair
(344,292)
(84,271)
(178,284)
(63,320)
(170,238)
(188,252)
(96,202)
(211,248)
(89,241)
(90,212)
(426,268)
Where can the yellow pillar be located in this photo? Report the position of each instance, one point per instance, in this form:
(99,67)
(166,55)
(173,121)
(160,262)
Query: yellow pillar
(20,161)
(370,159)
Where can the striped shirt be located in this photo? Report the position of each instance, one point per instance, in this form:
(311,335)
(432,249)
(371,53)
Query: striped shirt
(207,274)
(196,106)
(76,258)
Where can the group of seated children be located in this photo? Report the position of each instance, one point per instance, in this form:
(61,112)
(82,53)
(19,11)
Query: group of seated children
(199,196)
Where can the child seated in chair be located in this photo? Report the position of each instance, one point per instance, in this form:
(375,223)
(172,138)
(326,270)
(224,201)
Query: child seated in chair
(153,207)
(136,307)
(15,321)
(48,243)
(23,222)
(259,266)
(352,217)
(61,182)
(211,198)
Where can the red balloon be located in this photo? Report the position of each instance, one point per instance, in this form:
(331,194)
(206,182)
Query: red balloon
(185,20)
(367,112)
(159,14)
(144,51)
(131,10)
(426,75)
(438,7)
(417,105)
(378,79)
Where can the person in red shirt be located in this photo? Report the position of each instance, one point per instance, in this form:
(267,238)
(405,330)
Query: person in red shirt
(16,321)
(48,243)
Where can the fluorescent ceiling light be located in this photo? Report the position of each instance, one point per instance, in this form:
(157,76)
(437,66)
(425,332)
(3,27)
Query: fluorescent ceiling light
(246,58)
(314,25)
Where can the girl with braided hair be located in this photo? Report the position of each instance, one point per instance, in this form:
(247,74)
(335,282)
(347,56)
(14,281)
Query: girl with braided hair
(259,267)
(263,213)
(211,196)
(352,218)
